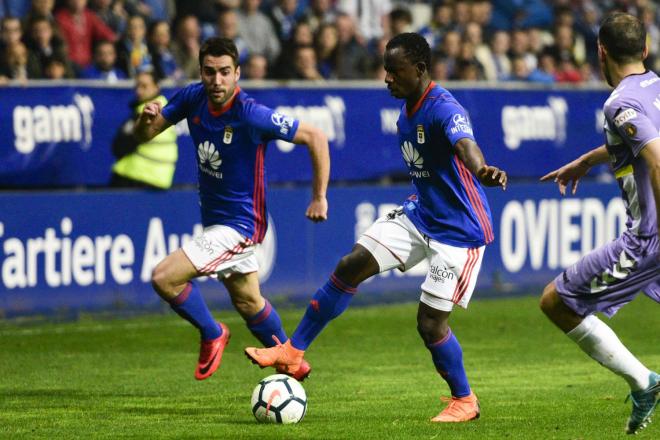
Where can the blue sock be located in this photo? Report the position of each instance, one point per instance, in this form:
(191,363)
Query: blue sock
(327,303)
(190,305)
(448,359)
(265,324)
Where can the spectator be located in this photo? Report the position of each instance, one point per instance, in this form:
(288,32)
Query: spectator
(147,165)
(228,27)
(43,45)
(647,17)
(441,23)
(520,48)
(587,27)
(520,71)
(15,62)
(255,68)
(284,18)
(319,12)
(132,51)
(257,31)
(371,17)
(11,32)
(104,67)
(41,9)
(353,57)
(499,66)
(57,68)
(165,65)
(327,50)
(400,21)
(156,10)
(450,50)
(467,70)
(482,54)
(301,36)
(81,28)
(461,15)
(112,13)
(481,12)
(304,62)
(439,71)
(185,46)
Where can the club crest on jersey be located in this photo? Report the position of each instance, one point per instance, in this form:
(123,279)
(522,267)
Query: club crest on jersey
(229,134)
(420,134)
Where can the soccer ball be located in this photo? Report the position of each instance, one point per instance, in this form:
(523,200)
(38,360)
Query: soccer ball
(279,399)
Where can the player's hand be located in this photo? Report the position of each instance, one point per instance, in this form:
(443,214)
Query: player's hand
(150,111)
(570,173)
(492,176)
(317,211)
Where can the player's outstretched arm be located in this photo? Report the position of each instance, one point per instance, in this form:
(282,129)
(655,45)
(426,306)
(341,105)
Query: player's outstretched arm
(317,142)
(573,171)
(470,154)
(651,155)
(150,123)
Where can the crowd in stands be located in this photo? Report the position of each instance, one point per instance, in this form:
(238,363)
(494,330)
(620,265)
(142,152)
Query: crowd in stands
(543,41)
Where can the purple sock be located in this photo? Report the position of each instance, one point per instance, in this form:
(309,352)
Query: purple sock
(265,324)
(327,303)
(448,359)
(190,305)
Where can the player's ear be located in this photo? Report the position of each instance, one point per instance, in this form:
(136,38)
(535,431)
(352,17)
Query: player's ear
(421,68)
(645,53)
(601,52)
(238,73)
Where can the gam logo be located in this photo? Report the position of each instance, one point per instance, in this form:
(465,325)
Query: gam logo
(53,124)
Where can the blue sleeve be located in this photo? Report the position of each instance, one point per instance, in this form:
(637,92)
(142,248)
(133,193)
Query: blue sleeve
(454,122)
(268,124)
(177,107)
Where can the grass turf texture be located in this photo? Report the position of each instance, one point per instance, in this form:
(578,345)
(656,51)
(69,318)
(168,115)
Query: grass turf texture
(372,378)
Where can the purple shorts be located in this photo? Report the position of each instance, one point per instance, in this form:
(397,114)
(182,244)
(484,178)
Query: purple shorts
(609,277)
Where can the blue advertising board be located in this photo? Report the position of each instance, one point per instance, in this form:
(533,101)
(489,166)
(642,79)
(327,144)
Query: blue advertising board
(61,135)
(97,249)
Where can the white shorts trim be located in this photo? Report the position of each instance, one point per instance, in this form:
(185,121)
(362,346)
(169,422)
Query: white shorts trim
(221,251)
(395,242)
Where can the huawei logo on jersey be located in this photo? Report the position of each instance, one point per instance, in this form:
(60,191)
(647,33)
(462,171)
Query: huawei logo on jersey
(209,159)
(411,155)
(414,160)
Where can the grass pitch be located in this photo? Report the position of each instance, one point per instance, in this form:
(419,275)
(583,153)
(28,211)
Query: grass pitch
(372,378)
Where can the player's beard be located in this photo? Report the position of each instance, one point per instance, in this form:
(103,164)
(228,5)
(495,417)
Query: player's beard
(220,100)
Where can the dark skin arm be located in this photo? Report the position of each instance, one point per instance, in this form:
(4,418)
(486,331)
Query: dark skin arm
(470,154)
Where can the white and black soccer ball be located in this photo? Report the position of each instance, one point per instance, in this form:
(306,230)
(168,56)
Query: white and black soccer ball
(279,399)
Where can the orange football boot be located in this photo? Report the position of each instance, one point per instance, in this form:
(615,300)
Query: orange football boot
(284,357)
(210,354)
(460,409)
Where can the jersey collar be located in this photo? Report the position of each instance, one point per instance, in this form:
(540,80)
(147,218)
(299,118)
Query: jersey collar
(420,101)
(227,105)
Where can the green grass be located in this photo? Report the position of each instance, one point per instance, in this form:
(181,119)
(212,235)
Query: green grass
(372,378)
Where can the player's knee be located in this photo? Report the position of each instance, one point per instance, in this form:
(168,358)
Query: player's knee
(355,267)
(159,280)
(431,330)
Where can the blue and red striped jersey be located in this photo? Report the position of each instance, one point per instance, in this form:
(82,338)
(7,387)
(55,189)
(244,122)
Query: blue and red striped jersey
(449,204)
(231,145)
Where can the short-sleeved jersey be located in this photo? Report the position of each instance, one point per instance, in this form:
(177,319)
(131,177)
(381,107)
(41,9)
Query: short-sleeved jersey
(231,145)
(632,120)
(449,204)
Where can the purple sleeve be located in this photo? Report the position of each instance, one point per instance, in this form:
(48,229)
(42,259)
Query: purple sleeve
(454,121)
(635,128)
(177,107)
(269,124)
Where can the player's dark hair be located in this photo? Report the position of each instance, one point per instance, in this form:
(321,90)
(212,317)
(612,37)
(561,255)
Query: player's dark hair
(414,46)
(623,36)
(217,47)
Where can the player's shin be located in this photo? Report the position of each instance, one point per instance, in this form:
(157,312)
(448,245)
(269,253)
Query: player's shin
(448,360)
(266,324)
(190,305)
(327,303)
(598,340)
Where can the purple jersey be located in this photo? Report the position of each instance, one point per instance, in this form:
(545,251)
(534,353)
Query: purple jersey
(632,120)
(449,204)
(231,144)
